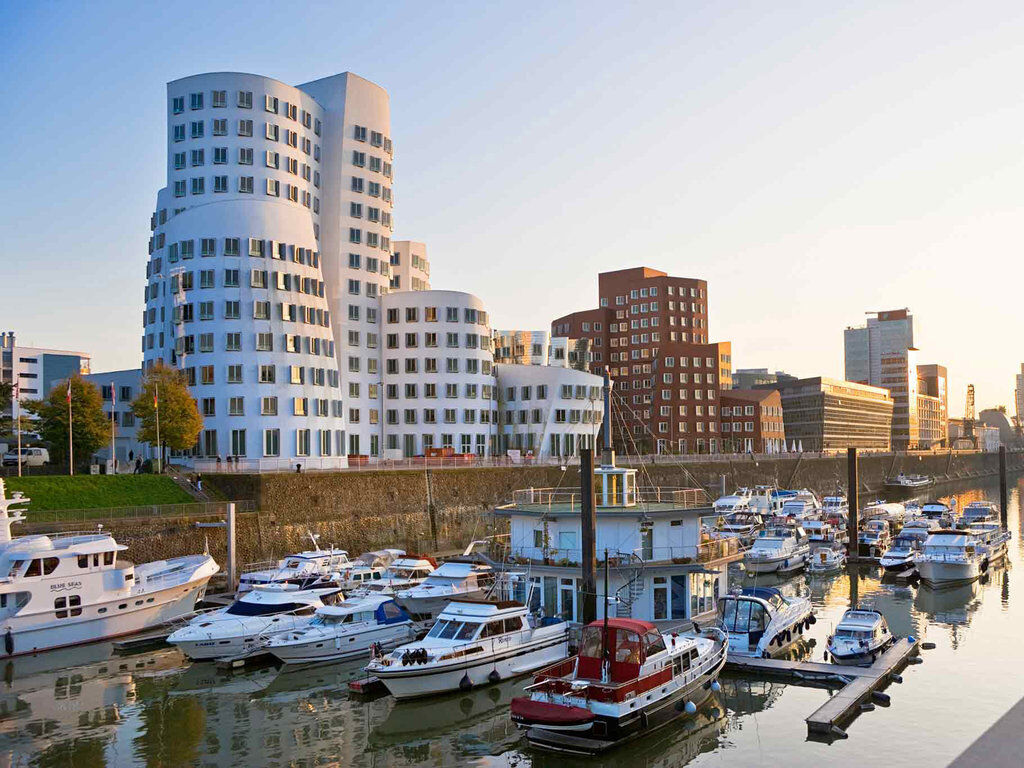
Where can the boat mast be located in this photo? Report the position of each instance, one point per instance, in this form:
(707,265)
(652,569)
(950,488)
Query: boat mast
(605,657)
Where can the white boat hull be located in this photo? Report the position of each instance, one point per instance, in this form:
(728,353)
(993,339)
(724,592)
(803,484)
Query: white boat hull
(350,646)
(141,612)
(252,637)
(786,564)
(948,572)
(429,606)
(413,681)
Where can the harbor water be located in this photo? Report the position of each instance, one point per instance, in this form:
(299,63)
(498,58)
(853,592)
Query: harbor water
(90,707)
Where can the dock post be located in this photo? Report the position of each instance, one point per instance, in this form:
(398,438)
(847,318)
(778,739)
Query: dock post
(721,483)
(588,526)
(230,565)
(852,489)
(1003,513)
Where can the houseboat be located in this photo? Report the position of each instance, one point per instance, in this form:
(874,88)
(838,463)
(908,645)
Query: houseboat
(628,680)
(64,589)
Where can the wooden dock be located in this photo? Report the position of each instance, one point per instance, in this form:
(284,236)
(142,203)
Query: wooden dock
(858,686)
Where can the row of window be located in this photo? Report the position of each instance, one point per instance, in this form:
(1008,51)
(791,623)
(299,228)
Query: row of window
(268,406)
(372,239)
(243,100)
(371,188)
(372,163)
(329,442)
(293,343)
(258,278)
(231,246)
(430,340)
(471,365)
(376,138)
(738,426)
(431,315)
(244,128)
(264,374)
(294,313)
(245,185)
(245,157)
(683,427)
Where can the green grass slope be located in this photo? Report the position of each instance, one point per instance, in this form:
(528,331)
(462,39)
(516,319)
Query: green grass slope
(49,492)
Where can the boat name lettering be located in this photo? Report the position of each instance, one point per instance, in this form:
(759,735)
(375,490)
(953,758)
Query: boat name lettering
(65,585)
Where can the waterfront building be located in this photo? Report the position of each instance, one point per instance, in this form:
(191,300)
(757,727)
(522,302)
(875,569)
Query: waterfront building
(997,418)
(651,331)
(437,378)
(37,370)
(883,353)
(752,421)
(661,566)
(410,268)
(824,414)
(1019,399)
(748,378)
(547,411)
(117,390)
(539,348)
(270,244)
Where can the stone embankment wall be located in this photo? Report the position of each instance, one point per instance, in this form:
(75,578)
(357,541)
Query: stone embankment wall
(371,510)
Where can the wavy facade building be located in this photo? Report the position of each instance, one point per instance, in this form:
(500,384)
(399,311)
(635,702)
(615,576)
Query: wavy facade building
(270,250)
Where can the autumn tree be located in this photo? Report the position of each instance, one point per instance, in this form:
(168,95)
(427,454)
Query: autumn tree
(89,426)
(180,422)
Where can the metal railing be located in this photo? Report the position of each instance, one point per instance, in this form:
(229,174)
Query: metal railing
(705,552)
(364,464)
(683,498)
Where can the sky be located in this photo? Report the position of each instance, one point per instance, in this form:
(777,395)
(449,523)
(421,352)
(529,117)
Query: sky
(812,161)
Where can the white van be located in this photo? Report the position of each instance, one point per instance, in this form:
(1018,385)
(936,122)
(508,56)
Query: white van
(30,457)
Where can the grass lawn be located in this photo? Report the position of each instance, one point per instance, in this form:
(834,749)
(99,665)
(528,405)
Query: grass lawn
(87,491)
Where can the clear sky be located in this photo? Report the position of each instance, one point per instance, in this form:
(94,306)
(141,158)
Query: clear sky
(811,161)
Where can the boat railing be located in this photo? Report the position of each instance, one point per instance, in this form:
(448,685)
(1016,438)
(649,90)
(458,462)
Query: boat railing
(682,498)
(705,552)
(453,651)
(259,565)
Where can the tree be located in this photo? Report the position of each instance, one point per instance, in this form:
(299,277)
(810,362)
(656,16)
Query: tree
(180,422)
(6,402)
(89,425)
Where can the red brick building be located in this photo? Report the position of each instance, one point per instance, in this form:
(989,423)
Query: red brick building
(651,331)
(752,421)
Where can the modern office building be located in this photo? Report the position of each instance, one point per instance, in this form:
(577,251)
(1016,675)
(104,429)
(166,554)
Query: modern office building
(118,389)
(823,414)
(752,421)
(410,268)
(539,348)
(36,370)
(748,378)
(883,353)
(651,331)
(438,383)
(270,250)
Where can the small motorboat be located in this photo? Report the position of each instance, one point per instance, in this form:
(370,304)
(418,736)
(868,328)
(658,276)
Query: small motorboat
(762,622)
(741,525)
(405,572)
(873,539)
(824,533)
(245,626)
(860,637)
(908,481)
(833,506)
(779,549)
(950,557)
(627,680)
(899,557)
(939,511)
(347,630)
(473,642)
(302,568)
(826,559)
(453,580)
(733,502)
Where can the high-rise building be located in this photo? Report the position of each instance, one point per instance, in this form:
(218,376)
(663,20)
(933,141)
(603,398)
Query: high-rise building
(410,269)
(933,404)
(882,353)
(270,251)
(651,331)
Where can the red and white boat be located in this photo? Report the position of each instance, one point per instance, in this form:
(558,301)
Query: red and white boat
(627,680)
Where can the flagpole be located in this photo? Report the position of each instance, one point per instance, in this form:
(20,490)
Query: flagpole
(113,454)
(156,407)
(71,444)
(17,402)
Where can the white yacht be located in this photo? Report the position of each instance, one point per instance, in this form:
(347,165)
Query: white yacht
(766,500)
(627,681)
(890,511)
(938,510)
(302,568)
(800,505)
(978,512)
(761,622)
(901,554)
(824,533)
(873,539)
(733,502)
(742,525)
(63,589)
(779,549)
(473,642)
(348,630)
(860,636)
(404,573)
(951,557)
(245,626)
(908,481)
(994,540)
(367,568)
(453,580)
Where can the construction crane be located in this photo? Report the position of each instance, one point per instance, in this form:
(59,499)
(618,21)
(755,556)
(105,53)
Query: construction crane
(968,434)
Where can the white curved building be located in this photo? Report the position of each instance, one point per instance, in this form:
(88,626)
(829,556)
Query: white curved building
(547,410)
(270,249)
(438,383)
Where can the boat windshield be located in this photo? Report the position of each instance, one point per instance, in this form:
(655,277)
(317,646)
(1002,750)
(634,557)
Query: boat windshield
(331,620)
(241,608)
(768,544)
(453,630)
(739,615)
(854,634)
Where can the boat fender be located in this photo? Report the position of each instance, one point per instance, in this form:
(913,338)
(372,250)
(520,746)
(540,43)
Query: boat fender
(690,708)
(926,646)
(910,639)
(765,654)
(494,677)
(881,698)
(643,720)
(8,642)
(789,636)
(915,660)
(716,686)
(812,619)
(465,683)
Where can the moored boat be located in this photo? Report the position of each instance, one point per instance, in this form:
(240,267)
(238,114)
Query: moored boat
(779,549)
(860,636)
(873,539)
(302,568)
(453,580)
(403,573)
(908,481)
(950,557)
(627,680)
(472,643)
(826,559)
(762,622)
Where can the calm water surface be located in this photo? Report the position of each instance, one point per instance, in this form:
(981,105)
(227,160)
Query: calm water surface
(87,707)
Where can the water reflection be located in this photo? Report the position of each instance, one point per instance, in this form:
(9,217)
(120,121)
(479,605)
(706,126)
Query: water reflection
(88,707)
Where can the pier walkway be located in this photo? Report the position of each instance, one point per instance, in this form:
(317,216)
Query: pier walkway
(857,685)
